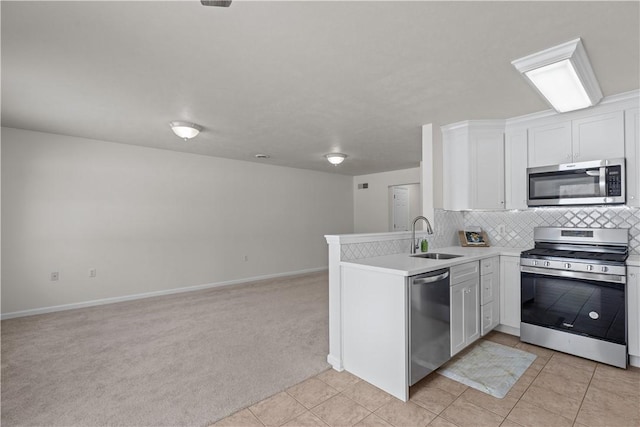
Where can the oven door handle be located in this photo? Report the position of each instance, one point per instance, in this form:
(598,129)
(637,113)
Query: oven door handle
(610,278)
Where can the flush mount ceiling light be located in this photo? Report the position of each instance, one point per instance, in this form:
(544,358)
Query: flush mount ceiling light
(185,130)
(335,158)
(563,76)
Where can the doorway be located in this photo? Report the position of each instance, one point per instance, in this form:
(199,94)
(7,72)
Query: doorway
(404,204)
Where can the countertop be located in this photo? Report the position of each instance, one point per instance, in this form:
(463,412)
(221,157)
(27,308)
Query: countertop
(406,265)
(634,260)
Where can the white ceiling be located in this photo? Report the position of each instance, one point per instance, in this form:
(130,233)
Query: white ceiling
(294,80)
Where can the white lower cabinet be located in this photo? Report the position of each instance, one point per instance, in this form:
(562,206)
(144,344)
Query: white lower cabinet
(633,301)
(465,304)
(510,294)
(489,294)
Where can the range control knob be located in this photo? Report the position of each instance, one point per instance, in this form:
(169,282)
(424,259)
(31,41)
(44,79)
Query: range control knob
(589,267)
(547,263)
(605,269)
(534,262)
(567,265)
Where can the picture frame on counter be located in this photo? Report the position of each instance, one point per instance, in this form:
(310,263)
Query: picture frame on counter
(473,238)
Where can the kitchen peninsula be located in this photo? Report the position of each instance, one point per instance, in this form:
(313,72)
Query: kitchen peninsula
(371,302)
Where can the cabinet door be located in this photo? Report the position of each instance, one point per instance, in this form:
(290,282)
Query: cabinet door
(632,153)
(473,172)
(515,169)
(471,312)
(457,317)
(598,137)
(488,178)
(550,144)
(633,301)
(510,292)
(456,191)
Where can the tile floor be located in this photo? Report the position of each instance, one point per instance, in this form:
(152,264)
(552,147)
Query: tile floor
(556,390)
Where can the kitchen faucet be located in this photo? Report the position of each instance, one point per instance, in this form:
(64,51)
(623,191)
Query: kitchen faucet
(414,245)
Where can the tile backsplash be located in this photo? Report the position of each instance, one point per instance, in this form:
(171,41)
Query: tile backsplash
(445,227)
(518,225)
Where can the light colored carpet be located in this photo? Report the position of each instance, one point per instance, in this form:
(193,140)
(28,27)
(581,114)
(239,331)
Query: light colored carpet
(184,359)
(489,367)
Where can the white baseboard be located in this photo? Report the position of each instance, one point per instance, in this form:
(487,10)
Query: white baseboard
(508,330)
(335,363)
(112,300)
(634,361)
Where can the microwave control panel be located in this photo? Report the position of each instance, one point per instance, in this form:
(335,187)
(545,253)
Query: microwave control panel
(614,181)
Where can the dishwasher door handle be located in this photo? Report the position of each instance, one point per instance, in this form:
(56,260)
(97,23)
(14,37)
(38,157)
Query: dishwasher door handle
(432,279)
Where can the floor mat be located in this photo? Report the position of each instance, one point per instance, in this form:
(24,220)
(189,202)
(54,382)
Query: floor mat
(489,367)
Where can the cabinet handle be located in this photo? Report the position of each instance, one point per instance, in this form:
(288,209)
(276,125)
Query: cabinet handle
(569,156)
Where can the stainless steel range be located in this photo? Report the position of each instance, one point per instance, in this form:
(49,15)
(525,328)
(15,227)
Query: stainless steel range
(573,292)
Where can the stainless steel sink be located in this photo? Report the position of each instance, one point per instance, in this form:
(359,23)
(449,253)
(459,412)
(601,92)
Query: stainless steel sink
(434,255)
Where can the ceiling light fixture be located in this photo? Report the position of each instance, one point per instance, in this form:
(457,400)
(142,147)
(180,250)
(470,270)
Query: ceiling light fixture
(185,130)
(563,76)
(335,158)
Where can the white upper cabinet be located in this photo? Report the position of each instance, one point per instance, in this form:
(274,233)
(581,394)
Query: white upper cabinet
(486,161)
(632,154)
(487,148)
(473,175)
(515,169)
(598,137)
(594,137)
(550,144)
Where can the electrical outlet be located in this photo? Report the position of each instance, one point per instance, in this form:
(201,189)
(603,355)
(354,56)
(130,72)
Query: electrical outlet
(54,276)
(92,272)
(502,230)
(245,258)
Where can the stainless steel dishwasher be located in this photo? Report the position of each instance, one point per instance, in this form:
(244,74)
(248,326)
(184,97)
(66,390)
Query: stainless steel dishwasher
(429,325)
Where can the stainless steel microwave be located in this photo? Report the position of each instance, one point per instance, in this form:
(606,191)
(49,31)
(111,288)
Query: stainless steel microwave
(599,182)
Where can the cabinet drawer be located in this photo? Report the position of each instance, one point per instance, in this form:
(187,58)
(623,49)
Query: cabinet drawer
(489,265)
(488,287)
(490,313)
(464,272)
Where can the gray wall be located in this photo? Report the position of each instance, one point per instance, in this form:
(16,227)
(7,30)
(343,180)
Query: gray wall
(152,220)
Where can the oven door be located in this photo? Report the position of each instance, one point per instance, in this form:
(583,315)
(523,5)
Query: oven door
(581,306)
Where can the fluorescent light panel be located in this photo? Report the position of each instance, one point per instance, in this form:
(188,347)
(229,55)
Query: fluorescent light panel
(560,85)
(563,76)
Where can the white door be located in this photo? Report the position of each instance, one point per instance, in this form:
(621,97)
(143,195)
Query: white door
(400,209)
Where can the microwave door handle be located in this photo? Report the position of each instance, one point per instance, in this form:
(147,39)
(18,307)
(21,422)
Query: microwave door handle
(602,183)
